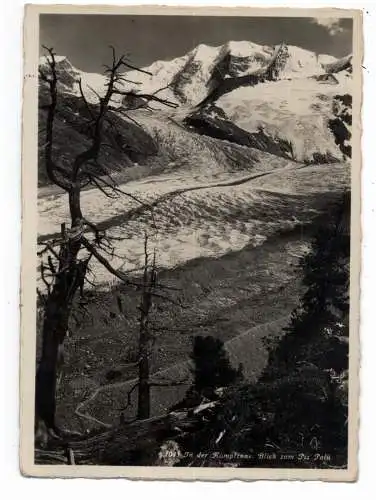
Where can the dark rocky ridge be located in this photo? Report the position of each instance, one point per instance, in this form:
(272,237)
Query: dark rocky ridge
(231,66)
(128,143)
(212,121)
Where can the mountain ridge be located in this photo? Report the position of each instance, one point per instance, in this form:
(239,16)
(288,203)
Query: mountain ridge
(281,100)
(193,75)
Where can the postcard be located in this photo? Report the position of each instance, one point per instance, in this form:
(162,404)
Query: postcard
(191,243)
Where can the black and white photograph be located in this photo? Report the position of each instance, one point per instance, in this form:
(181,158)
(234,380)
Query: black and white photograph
(194,242)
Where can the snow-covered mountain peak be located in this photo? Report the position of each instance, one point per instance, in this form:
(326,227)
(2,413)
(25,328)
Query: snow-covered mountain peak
(204,52)
(58,59)
(302,62)
(193,77)
(244,48)
(67,74)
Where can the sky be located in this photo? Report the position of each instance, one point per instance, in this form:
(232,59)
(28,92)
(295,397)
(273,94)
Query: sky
(85,39)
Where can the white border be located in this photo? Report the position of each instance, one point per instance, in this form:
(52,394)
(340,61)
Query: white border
(10,194)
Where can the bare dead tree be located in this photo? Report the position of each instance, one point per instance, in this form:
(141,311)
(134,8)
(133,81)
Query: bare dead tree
(146,340)
(149,284)
(66,270)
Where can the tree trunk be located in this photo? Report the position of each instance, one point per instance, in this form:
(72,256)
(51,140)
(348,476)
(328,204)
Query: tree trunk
(52,351)
(143,411)
(55,324)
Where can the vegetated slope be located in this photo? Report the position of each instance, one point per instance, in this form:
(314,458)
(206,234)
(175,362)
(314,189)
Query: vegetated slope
(247,349)
(223,296)
(241,298)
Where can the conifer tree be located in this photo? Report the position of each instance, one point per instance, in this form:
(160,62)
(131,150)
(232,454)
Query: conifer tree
(212,368)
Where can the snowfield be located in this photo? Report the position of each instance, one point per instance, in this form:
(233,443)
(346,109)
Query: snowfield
(190,220)
(296,110)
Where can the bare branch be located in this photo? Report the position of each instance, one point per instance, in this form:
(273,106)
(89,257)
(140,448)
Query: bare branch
(113,55)
(44,279)
(43,76)
(129,394)
(85,100)
(48,156)
(147,97)
(51,265)
(48,247)
(122,112)
(41,297)
(90,283)
(95,92)
(128,65)
(109,249)
(91,418)
(95,163)
(169,383)
(169,299)
(125,193)
(119,78)
(95,180)
(92,152)
(119,274)
(98,234)
(162,88)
